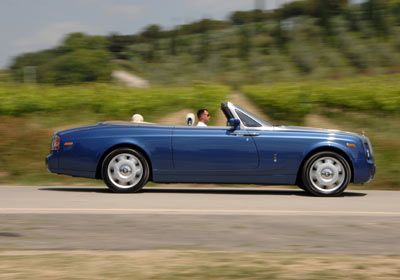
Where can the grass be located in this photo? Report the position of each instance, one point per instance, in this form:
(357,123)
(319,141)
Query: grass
(384,133)
(29,115)
(108,100)
(364,104)
(294,100)
(193,265)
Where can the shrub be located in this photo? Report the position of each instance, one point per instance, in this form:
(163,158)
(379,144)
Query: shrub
(293,101)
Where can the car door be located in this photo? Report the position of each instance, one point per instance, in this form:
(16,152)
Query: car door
(280,151)
(213,149)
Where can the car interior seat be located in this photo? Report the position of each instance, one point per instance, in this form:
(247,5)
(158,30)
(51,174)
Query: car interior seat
(137,118)
(190,119)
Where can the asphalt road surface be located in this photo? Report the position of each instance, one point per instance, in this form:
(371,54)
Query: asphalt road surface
(259,219)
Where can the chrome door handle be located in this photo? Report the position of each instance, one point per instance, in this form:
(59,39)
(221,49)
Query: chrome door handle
(245,133)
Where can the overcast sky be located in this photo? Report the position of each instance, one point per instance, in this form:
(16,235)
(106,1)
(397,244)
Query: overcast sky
(31,25)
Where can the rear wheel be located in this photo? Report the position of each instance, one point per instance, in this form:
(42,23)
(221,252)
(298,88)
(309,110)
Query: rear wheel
(326,174)
(125,170)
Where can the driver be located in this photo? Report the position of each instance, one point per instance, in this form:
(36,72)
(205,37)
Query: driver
(203,116)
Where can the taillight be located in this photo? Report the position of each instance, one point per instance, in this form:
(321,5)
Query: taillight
(55,144)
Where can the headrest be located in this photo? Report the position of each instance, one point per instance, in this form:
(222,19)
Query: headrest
(137,118)
(190,119)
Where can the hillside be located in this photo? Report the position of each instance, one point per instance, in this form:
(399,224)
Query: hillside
(310,39)
(34,112)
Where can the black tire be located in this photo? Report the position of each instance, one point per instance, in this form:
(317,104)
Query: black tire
(112,183)
(302,186)
(313,186)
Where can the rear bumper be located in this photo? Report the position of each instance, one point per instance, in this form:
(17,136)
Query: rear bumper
(52,164)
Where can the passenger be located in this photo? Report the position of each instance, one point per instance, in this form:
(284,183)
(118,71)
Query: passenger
(203,116)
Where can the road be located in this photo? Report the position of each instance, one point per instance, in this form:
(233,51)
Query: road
(256,219)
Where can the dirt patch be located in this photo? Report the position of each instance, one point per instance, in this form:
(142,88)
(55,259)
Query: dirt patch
(130,79)
(163,264)
(314,120)
(220,119)
(179,118)
(237,98)
(240,99)
(176,118)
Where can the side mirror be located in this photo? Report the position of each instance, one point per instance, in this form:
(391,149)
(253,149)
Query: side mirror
(234,123)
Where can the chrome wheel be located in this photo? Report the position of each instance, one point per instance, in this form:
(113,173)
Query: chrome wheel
(327,174)
(125,170)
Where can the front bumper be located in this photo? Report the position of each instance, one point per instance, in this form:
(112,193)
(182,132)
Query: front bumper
(372,173)
(364,172)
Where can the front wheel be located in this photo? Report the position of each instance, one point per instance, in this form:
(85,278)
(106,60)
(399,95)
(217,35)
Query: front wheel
(125,170)
(326,174)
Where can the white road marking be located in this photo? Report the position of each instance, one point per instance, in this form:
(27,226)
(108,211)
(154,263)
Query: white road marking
(197,212)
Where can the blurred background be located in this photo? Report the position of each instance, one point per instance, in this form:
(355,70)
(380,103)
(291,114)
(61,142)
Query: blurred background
(331,64)
(321,63)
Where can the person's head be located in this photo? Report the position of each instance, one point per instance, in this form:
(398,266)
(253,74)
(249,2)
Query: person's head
(203,115)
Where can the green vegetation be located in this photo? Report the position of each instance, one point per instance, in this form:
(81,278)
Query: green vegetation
(4,76)
(302,59)
(369,104)
(293,101)
(80,58)
(29,115)
(384,133)
(308,39)
(108,100)
(194,265)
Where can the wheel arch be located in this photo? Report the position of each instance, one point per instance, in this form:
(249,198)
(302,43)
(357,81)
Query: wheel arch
(325,149)
(123,145)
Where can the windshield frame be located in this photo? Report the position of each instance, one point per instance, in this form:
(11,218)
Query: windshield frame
(264,124)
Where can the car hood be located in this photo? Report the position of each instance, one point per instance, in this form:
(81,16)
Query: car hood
(317,130)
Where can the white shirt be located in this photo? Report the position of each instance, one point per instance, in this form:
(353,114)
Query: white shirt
(201,124)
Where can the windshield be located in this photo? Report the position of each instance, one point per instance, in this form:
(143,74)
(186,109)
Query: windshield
(256,119)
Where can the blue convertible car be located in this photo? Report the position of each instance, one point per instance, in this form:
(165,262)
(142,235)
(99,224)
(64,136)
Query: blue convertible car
(248,150)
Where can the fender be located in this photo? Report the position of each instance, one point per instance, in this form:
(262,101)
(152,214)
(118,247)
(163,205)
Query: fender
(352,154)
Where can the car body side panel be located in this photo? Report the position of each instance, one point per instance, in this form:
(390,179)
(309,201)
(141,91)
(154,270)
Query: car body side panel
(217,177)
(208,155)
(282,152)
(89,147)
(203,149)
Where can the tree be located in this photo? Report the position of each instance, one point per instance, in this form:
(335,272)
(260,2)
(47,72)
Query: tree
(376,11)
(395,6)
(240,17)
(395,9)
(325,9)
(279,35)
(118,44)
(292,9)
(173,43)
(201,26)
(76,67)
(244,42)
(151,32)
(204,47)
(76,41)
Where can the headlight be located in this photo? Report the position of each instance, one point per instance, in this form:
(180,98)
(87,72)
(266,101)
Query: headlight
(368,148)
